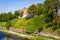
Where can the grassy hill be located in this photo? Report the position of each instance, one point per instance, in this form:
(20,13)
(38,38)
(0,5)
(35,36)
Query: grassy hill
(31,24)
(13,22)
(3,24)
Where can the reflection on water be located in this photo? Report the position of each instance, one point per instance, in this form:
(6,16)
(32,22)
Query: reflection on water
(12,37)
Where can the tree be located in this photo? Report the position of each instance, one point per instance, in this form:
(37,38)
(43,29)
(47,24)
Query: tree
(16,14)
(1,15)
(20,13)
(32,9)
(10,16)
(39,8)
(53,5)
(8,25)
(49,16)
(4,17)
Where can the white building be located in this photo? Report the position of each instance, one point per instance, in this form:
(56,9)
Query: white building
(25,13)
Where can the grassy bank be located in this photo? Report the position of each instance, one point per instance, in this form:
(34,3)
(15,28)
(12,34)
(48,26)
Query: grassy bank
(31,37)
(32,24)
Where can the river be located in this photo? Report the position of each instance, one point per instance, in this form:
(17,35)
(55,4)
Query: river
(13,37)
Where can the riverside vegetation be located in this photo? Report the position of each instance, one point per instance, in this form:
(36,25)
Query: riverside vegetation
(46,18)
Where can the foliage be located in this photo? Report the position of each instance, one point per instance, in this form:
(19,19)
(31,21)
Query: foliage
(40,29)
(16,14)
(57,31)
(44,38)
(52,6)
(31,24)
(2,24)
(8,25)
(6,39)
(49,19)
(49,25)
(4,17)
(14,21)
(32,9)
(39,8)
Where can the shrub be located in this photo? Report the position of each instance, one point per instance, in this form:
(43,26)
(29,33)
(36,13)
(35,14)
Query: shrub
(54,28)
(49,25)
(40,29)
(8,25)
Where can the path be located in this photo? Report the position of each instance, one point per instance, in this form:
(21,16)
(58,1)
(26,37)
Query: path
(22,35)
(48,34)
(29,36)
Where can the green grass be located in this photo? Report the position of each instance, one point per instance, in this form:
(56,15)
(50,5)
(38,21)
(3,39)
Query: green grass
(57,31)
(45,38)
(31,24)
(14,21)
(6,39)
(3,24)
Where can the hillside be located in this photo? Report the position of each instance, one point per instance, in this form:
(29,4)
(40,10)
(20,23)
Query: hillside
(33,25)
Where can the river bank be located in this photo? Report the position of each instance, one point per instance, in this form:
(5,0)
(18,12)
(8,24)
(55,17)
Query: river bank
(31,37)
(17,34)
(4,36)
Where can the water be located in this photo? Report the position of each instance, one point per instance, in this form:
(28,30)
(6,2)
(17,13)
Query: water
(3,35)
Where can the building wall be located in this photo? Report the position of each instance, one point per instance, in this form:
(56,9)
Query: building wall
(25,13)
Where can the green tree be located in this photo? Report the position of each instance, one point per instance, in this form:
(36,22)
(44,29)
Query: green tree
(10,16)
(1,15)
(16,14)
(20,13)
(32,9)
(8,25)
(52,5)
(4,17)
(39,8)
(49,16)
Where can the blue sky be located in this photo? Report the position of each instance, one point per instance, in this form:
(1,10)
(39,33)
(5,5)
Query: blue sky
(12,5)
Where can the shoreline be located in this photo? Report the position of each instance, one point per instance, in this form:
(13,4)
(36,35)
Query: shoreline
(27,36)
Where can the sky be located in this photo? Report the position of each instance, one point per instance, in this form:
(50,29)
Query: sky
(13,5)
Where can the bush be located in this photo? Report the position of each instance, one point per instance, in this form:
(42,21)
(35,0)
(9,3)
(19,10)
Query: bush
(40,29)
(54,28)
(8,25)
(49,25)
